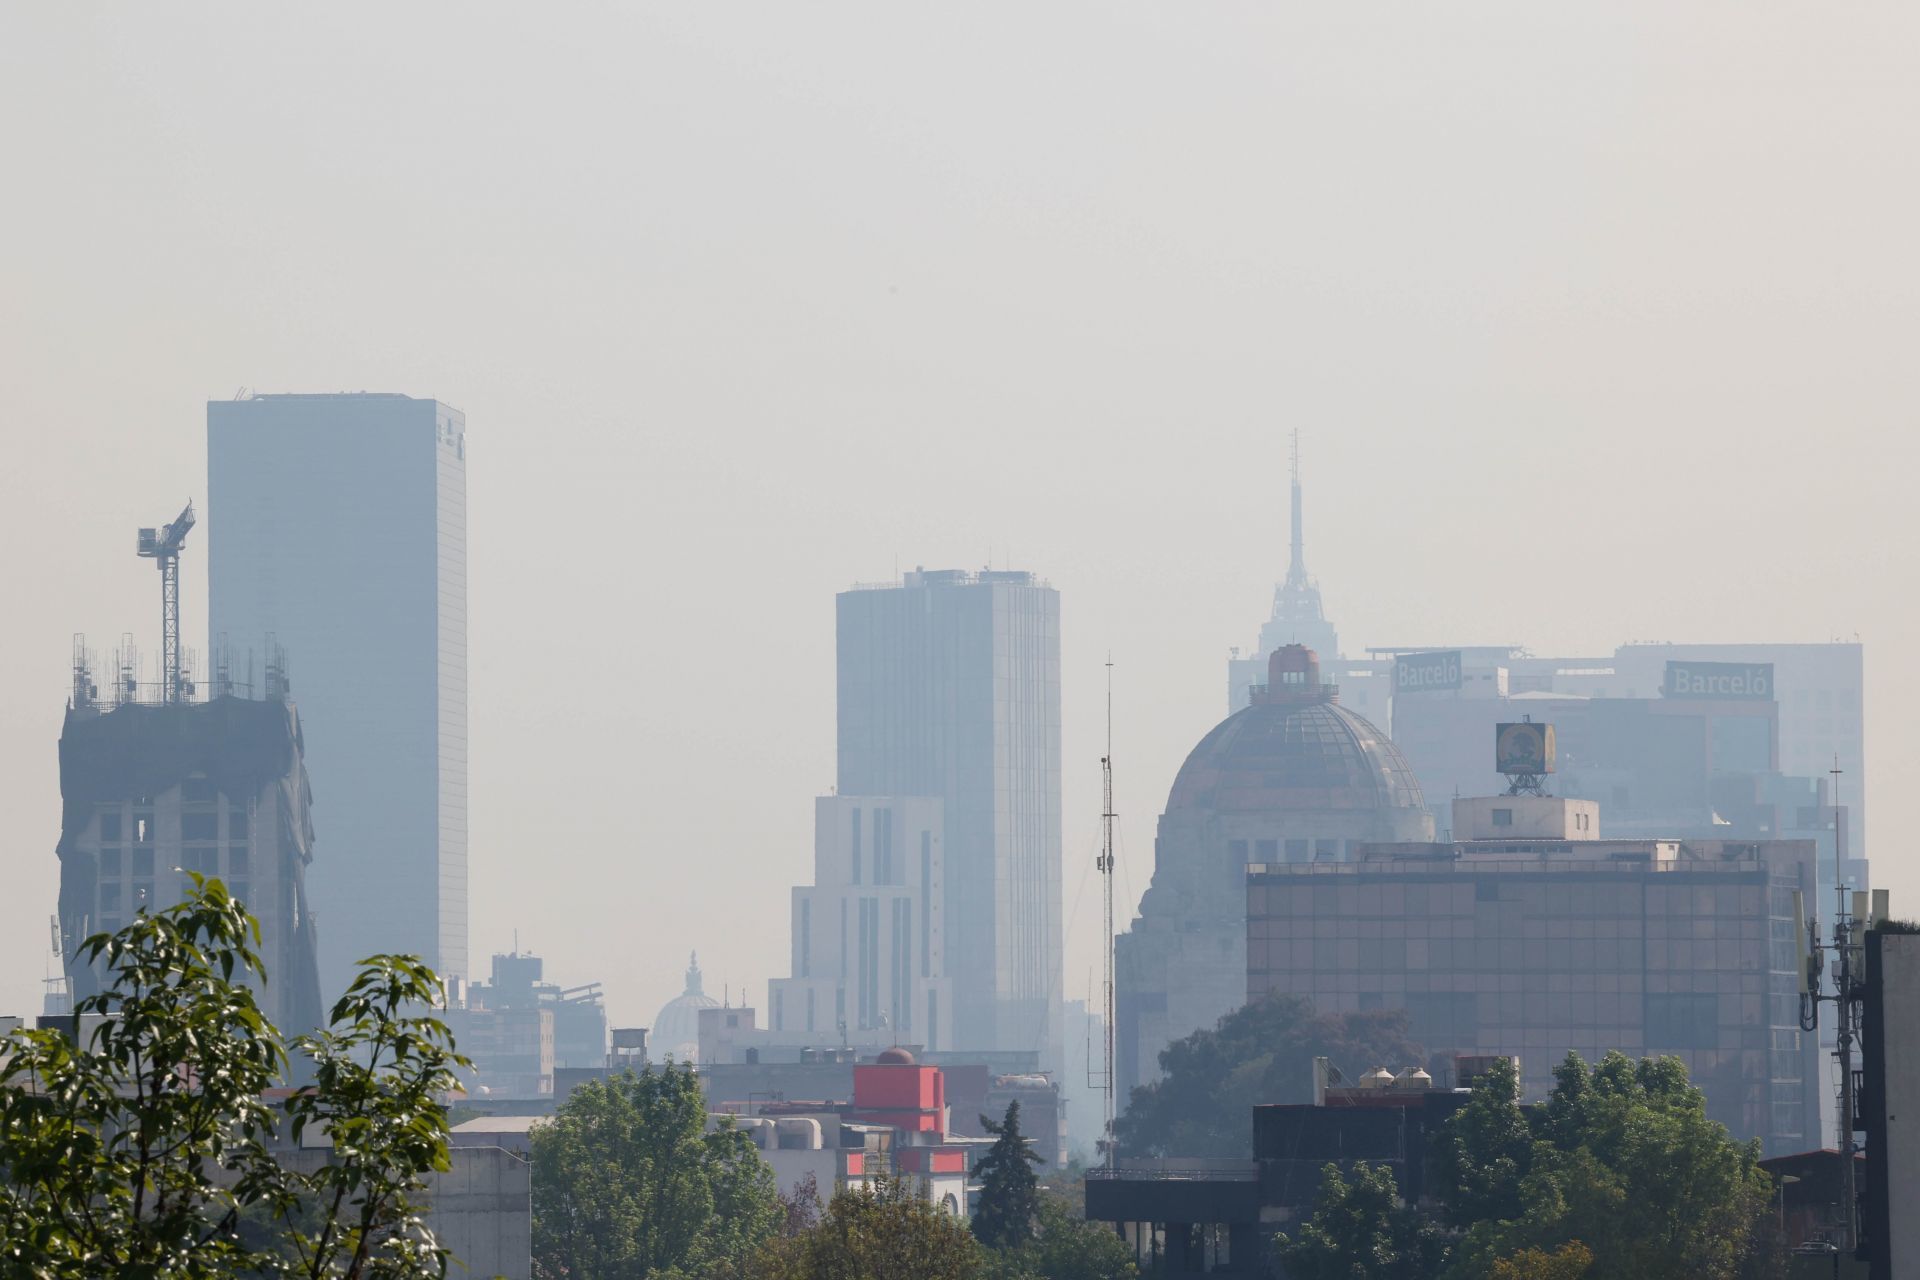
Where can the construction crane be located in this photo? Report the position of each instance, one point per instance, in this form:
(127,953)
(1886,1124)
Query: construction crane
(163,547)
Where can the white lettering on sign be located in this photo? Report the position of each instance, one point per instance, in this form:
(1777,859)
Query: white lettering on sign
(1719,680)
(1426,671)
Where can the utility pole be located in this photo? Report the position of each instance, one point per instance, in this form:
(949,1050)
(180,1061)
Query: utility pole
(1105,866)
(1846,951)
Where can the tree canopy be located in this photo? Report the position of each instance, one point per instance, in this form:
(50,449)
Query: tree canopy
(629,1182)
(1262,1052)
(146,1148)
(881,1230)
(1360,1231)
(1004,1210)
(1622,1158)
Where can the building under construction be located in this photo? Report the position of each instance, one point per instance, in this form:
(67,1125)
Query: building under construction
(161,780)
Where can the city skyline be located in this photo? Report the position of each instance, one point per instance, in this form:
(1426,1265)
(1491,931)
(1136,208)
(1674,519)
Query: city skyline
(1651,361)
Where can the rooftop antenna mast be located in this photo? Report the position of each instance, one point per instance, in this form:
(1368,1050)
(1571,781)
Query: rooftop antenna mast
(163,547)
(1105,866)
(1847,952)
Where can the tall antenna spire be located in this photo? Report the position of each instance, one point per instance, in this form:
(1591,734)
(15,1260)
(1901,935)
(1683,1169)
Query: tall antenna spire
(1297,567)
(1105,867)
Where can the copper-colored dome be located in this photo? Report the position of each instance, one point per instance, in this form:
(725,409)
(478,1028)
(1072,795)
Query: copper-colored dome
(1295,749)
(894,1057)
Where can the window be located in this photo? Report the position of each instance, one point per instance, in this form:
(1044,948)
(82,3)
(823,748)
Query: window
(1683,1020)
(1326,850)
(1443,1021)
(110,825)
(143,828)
(883,846)
(199,826)
(198,790)
(109,897)
(110,864)
(1503,817)
(856,846)
(237,860)
(1296,851)
(926,903)
(806,939)
(236,824)
(143,864)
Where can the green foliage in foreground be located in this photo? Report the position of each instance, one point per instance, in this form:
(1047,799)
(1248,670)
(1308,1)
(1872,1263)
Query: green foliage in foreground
(1622,1159)
(628,1181)
(147,1150)
(1359,1231)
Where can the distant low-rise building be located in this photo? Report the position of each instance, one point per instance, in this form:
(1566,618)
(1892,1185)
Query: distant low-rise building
(521,1031)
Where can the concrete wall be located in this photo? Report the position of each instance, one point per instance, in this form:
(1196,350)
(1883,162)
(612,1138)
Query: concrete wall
(481,1209)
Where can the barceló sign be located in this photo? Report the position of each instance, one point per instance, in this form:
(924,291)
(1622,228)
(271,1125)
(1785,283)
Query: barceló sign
(1743,680)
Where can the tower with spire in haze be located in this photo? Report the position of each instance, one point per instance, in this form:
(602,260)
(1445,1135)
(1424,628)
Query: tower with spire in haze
(1297,617)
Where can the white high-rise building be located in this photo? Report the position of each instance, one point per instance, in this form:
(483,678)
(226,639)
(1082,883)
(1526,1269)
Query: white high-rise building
(337,526)
(869,934)
(949,686)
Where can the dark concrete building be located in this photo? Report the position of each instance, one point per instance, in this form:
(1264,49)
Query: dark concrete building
(1219,1216)
(151,792)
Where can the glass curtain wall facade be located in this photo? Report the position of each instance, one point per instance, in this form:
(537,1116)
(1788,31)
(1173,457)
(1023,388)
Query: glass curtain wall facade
(949,686)
(336,530)
(1649,948)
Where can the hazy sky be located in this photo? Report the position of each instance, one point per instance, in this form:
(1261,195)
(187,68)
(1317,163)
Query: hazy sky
(1590,317)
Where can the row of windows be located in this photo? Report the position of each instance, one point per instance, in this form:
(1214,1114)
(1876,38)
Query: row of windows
(1310,982)
(1583,898)
(1501,928)
(205,859)
(1386,955)
(137,827)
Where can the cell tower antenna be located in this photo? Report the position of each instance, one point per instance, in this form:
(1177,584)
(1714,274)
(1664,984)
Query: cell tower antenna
(1845,956)
(163,547)
(1105,866)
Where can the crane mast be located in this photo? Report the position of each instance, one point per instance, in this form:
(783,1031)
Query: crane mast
(163,547)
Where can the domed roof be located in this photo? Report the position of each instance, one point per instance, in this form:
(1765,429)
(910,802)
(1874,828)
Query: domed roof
(1296,748)
(895,1057)
(676,1030)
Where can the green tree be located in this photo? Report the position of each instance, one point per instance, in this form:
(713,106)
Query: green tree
(1065,1247)
(1262,1052)
(629,1182)
(381,1071)
(1360,1231)
(883,1230)
(1009,1196)
(137,1153)
(1569,1262)
(1624,1160)
(147,1150)
(1484,1151)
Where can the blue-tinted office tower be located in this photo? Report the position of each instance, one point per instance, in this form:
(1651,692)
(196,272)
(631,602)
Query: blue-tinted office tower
(949,686)
(337,527)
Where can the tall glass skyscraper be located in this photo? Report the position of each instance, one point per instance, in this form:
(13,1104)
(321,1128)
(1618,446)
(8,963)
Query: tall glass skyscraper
(949,686)
(337,530)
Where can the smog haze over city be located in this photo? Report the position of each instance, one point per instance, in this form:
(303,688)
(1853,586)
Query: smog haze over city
(1588,319)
